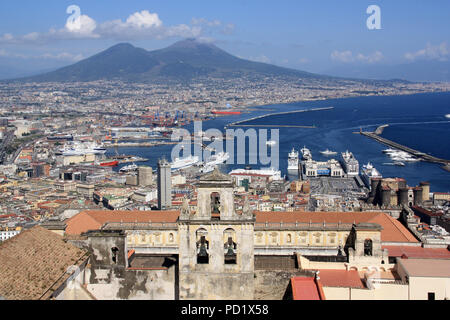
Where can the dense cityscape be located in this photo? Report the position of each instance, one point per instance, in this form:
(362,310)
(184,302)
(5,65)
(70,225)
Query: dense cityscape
(80,220)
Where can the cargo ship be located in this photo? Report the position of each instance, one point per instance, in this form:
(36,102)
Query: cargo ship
(109,163)
(219,112)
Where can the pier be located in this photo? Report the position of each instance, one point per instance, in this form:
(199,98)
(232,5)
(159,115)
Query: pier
(420,155)
(239,123)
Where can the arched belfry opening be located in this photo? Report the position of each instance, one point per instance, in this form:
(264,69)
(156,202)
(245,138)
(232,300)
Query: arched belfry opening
(230,247)
(215,203)
(202,247)
(368,247)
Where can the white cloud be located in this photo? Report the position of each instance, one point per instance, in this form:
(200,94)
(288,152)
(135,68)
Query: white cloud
(349,57)
(139,25)
(438,52)
(144,19)
(63,56)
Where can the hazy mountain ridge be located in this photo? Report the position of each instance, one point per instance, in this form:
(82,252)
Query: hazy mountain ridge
(183,60)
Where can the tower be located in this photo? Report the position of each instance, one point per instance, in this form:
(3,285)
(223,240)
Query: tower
(216,253)
(164,185)
(145,176)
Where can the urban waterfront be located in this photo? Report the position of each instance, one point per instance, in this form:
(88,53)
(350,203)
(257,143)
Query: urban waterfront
(417,121)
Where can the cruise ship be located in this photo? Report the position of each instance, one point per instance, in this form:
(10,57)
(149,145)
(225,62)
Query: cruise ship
(78,148)
(293,160)
(183,163)
(369,172)
(213,161)
(306,153)
(350,164)
(270,172)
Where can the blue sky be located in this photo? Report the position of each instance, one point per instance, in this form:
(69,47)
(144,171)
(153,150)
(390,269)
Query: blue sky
(302,34)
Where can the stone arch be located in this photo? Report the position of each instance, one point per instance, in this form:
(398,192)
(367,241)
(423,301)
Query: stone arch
(368,247)
(230,246)
(202,246)
(215,202)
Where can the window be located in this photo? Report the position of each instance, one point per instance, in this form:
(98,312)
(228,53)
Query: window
(215,202)
(431,296)
(202,247)
(368,247)
(114,251)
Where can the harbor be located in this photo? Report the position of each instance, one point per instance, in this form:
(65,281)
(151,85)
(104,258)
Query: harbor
(420,155)
(240,123)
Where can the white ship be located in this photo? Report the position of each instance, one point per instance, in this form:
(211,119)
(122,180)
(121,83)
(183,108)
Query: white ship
(271,143)
(78,148)
(401,156)
(129,168)
(328,152)
(369,172)
(213,161)
(218,158)
(270,172)
(293,160)
(447,116)
(350,164)
(183,163)
(306,154)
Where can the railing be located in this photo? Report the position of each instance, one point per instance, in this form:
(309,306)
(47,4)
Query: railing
(304,226)
(140,225)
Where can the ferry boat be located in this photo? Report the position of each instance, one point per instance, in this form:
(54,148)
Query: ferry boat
(293,160)
(306,153)
(183,163)
(78,148)
(129,168)
(218,158)
(369,172)
(328,152)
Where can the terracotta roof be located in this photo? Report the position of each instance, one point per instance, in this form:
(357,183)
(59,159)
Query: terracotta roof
(341,278)
(35,261)
(418,252)
(393,230)
(95,219)
(306,288)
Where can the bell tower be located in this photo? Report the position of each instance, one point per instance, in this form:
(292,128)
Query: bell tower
(216,252)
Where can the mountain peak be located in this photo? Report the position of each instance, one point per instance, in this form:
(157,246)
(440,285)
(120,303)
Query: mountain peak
(192,43)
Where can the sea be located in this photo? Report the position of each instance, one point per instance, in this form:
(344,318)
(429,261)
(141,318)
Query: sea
(418,121)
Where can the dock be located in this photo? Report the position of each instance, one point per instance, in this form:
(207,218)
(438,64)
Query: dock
(239,123)
(420,155)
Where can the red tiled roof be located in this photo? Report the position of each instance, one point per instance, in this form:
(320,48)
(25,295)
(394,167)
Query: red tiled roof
(340,278)
(95,219)
(393,230)
(306,289)
(418,252)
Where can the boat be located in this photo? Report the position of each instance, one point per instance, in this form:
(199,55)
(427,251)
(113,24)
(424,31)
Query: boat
(183,163)
(368,172)
(396,163)
(389,150)
(447,116)
(293,160)
(218,158)
(350,164)
(271,143)
(129,168)
(328,152)
(306,153)
(108,163)
(78,148)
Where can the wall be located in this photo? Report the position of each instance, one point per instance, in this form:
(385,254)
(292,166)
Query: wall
(420,286)
(274,285)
